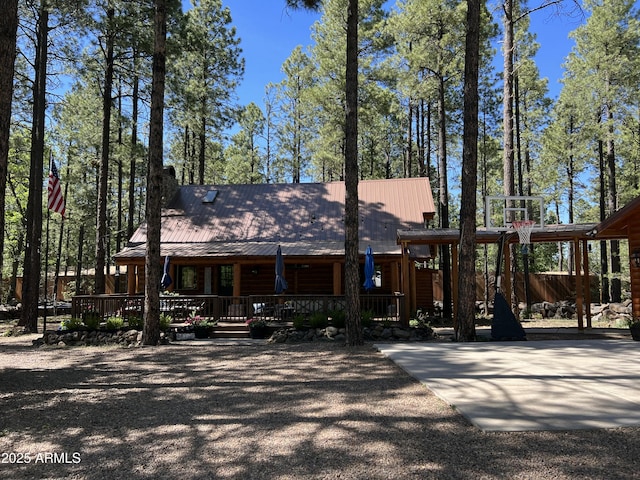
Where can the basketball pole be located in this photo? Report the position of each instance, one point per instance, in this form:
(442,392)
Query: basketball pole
(527,288)
(524,229)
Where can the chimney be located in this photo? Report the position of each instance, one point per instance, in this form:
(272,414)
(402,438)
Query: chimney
(169,185)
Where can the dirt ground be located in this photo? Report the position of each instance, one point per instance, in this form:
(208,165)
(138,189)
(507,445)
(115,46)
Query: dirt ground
(258,411)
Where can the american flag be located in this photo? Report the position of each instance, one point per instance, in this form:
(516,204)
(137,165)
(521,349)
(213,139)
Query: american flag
(55,199)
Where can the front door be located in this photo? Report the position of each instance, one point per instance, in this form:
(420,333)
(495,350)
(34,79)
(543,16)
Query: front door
(225,283)
(207,281)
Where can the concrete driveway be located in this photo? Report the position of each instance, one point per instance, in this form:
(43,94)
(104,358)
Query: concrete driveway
(535,385)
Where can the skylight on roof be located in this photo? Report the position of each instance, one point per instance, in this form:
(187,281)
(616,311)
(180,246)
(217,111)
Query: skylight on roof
(210,196)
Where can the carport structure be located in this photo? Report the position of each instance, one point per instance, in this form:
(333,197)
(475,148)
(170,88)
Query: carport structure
(625,224)
(622,225)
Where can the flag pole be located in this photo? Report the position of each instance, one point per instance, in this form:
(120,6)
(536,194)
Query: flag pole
(57,272)
(55,202)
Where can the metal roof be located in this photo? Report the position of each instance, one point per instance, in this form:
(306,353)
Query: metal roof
(259,249)
(251,220)
(546,233)
(619,223)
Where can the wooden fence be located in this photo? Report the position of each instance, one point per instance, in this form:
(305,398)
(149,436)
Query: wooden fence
(544,287)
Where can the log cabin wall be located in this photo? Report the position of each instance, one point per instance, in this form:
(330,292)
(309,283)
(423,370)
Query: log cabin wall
(634,272)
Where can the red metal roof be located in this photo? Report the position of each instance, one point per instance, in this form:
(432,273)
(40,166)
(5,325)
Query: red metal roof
(288,213)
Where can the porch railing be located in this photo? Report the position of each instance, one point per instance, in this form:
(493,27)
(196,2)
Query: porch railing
(222,308)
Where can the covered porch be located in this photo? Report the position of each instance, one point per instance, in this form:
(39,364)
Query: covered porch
(273,308)
(577,234)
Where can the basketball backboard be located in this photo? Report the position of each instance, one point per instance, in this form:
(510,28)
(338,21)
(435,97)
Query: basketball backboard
(501,210)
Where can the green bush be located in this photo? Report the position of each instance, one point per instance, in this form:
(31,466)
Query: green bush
(71,323)
(366,318)
(115,322)
(338,318)
(298,322)
(165,321)
(91,320)
(135,322)
(319,320)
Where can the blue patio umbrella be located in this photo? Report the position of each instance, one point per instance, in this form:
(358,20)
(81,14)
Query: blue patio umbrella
(166,278)
(369,269)
(281,283)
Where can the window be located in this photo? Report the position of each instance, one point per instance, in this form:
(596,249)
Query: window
(210,196)
(187,279)
(226,275)
(226,280)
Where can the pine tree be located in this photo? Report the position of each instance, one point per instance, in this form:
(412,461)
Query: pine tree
(606,50)
(8,35)
(202,80)
(151,329)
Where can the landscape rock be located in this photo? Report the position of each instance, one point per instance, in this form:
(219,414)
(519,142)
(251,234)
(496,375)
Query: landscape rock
(613,313)
(401,333)
(331,332)
(620,308)
(125,338)
(375,333)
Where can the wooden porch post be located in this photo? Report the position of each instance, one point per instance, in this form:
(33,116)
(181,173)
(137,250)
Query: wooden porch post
(237,279)
(587,282)
(634,272)
(337,278)
(131,279)
(454,279)
(405,287)
(579,292)
(412,283)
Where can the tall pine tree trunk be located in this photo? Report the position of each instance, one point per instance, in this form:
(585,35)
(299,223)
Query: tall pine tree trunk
(517,136)
(420,139)
(409,154)
(352,262)
(134,152)
(151,330)
(508,126)
(612,205)
(32,268)
(8,32)
(443,202)
(203,145)
(507,99)
(103,179)
(604,265)
(467,280)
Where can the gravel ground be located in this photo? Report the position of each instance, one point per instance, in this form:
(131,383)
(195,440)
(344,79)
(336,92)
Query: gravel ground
(257,411)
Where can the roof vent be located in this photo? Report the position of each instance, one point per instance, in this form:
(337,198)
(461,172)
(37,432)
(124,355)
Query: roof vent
(210,196)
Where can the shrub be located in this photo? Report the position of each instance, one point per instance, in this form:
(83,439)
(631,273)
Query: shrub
(204,322)
(115,323)
(319,320)
(135,322)
(338,318)
(387,322)
(165,321)
(366,318)
(420,320)
(92,320)
(298,322)
(70,324)
(256,322)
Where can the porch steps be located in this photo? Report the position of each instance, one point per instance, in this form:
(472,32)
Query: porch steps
(230,330)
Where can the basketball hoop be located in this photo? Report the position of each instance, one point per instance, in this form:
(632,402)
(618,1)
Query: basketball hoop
(524,228)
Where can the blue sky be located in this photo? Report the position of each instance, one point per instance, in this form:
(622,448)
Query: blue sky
(269,33)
